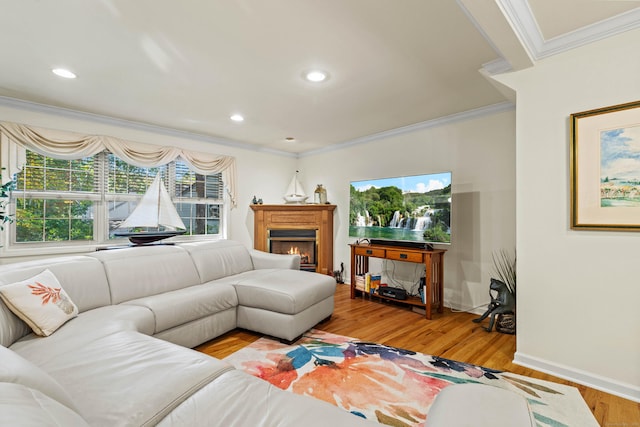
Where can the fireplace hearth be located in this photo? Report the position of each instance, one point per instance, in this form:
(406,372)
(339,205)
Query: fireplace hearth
(295,242)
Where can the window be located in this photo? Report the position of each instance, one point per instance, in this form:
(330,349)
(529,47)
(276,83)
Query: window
(83,201)
(195,195)
(55,200)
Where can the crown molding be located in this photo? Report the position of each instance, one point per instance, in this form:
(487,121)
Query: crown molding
(609,27)
(127,124)
(504,64)
(457,117)
(74,114)
(497,66)
(523,22)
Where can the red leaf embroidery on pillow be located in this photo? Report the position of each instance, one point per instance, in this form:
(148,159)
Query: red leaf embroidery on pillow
(47,293)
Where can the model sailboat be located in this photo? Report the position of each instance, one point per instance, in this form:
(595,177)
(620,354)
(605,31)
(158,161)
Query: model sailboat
(155,211)
(295,193)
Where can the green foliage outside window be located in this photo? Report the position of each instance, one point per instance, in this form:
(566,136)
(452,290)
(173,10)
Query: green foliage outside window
(41,219)
(5,191)
(50,220)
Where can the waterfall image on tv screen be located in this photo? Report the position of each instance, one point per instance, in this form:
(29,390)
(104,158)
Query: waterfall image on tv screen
(413,208)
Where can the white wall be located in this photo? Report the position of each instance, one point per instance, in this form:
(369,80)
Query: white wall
(578,291)
(480,153)
(262,174)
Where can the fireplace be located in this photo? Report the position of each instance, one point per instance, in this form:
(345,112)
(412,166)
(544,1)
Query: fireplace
(295,242)
(282,228)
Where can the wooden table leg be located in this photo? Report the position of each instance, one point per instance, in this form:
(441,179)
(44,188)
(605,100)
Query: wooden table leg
(352,283)
(428,280)
(440,283)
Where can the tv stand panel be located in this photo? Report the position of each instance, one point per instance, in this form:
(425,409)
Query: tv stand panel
(402,244)
(433,260)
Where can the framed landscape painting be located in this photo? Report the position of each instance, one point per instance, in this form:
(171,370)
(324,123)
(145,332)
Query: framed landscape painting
(605,168)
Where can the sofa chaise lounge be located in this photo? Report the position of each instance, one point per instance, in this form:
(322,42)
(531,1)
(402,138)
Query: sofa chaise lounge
(122,356)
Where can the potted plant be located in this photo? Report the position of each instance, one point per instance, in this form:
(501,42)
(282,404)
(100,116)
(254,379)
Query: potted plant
(5,192)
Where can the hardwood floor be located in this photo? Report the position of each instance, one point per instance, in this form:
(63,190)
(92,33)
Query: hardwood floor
(451,335)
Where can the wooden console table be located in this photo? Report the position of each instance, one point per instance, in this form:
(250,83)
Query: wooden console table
(433,261)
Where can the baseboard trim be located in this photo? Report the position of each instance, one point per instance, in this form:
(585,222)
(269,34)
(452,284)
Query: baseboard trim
(617,388)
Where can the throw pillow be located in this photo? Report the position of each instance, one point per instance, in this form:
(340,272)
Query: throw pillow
(40,302)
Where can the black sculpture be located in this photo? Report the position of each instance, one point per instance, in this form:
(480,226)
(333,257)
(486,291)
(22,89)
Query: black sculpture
(503,303)
(339,274)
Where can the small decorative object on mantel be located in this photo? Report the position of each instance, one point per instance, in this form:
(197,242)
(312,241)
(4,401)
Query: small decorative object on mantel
(256,201)
(295,193)
(320,195)
(502,307)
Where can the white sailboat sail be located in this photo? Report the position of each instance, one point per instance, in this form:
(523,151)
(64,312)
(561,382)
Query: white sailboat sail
(295,188)
(295,193)
(155,209)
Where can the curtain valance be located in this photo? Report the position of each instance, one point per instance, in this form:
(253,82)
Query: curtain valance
(16,138)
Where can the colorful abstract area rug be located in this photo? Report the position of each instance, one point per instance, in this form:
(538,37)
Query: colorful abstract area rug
(390,385)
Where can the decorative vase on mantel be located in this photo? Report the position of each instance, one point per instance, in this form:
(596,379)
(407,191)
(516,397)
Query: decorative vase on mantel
(320,195)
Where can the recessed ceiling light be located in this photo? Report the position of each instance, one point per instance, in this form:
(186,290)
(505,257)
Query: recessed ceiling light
(290,139)
(316,76)
(237,118)
(63,72)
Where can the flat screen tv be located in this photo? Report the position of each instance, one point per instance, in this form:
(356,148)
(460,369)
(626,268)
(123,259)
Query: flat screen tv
(407,210)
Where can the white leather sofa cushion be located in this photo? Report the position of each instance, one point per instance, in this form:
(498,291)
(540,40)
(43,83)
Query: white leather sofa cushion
(12,328)
(202,330)
(479,405)
(220,258)
(86,328)
(82,278)
(15,369)
(283,291)
(284,326)
(239,399)
(26,407)
(175,308)
(262,260)
(138,272)
(130,379)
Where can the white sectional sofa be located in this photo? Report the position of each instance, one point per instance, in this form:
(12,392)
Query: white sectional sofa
(125,359)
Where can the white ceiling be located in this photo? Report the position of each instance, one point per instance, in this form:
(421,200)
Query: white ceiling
(189,65)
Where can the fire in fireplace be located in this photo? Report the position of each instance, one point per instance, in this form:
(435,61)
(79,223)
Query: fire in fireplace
(295,242)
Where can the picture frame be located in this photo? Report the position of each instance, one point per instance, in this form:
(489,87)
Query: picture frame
(605,168)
